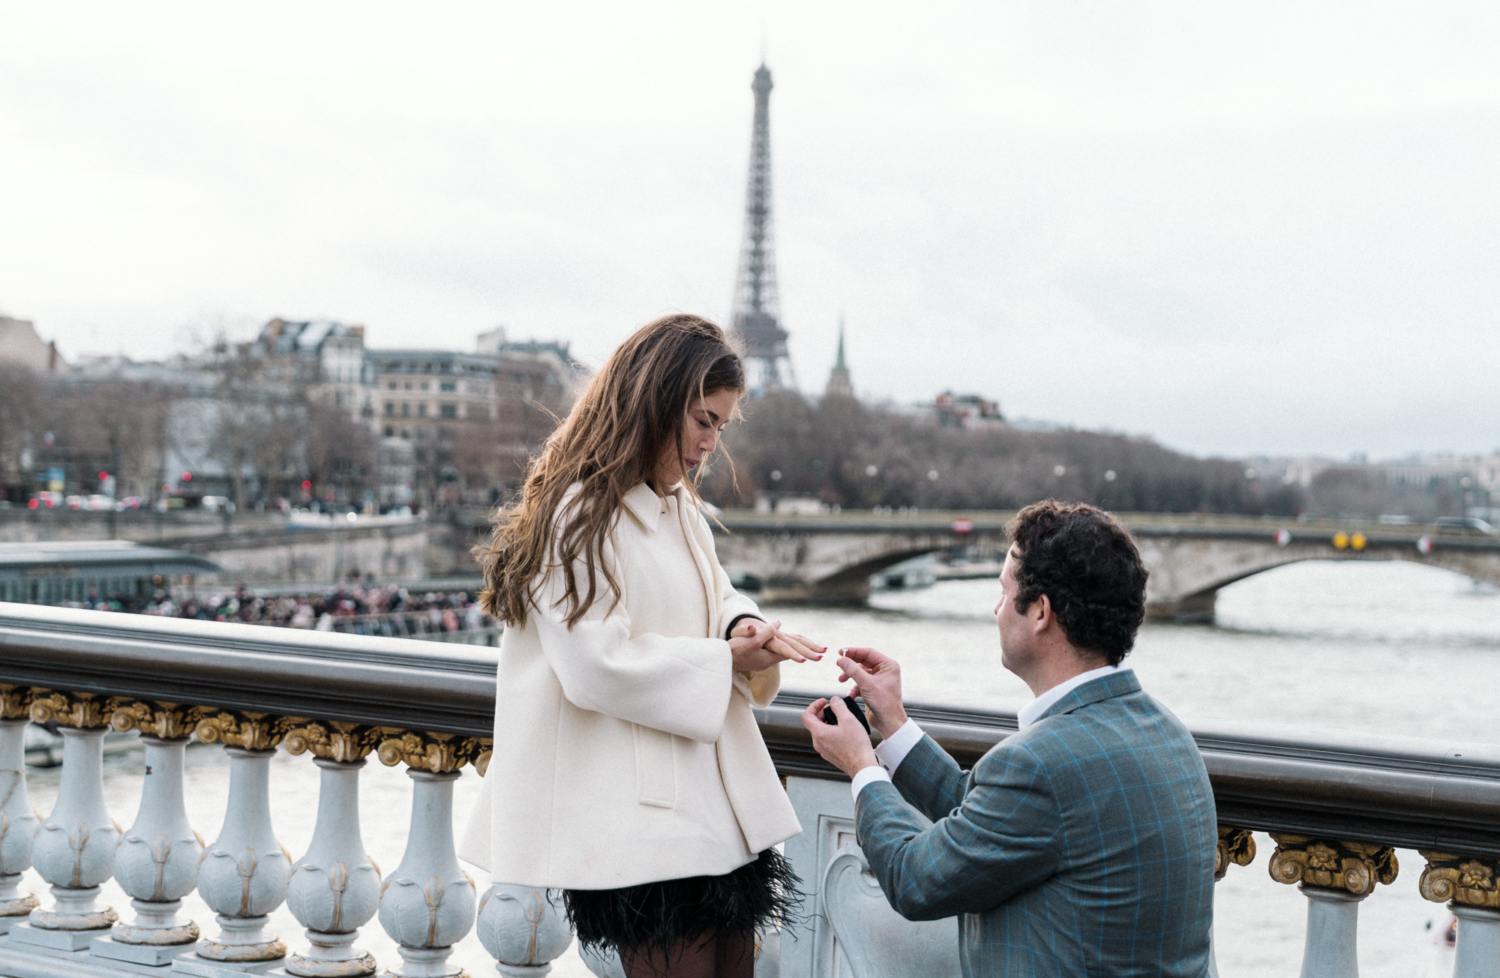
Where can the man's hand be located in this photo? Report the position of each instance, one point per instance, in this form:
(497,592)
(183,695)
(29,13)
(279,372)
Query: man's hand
(877,680)
(846,746)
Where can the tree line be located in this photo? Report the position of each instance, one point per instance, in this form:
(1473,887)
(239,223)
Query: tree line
(857,455)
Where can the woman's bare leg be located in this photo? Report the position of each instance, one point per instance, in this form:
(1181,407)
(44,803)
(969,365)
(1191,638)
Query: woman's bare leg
(685,959)
(734,954)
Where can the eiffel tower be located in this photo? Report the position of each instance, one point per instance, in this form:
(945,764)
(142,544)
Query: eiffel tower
(757,317)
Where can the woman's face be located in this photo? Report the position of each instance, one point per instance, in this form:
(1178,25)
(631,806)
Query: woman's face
(705,419)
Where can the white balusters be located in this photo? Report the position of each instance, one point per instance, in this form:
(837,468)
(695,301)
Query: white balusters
(157,862)
(524,929)
(17,823)
(74,847)
(243,876)
(1469,882)
(1236,848)
(1331,949)
(335,887)
(1334,876)
(428,903)
(1478,952)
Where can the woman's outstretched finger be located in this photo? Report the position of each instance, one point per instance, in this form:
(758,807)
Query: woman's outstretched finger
(785,650)
(801,645)
(815,646)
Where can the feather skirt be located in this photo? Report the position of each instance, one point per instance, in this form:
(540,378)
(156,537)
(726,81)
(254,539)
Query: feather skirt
(759,894)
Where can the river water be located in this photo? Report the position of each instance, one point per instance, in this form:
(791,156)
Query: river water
(1387,648)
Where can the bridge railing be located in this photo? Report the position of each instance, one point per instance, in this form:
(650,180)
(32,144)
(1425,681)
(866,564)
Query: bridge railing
(1336,807)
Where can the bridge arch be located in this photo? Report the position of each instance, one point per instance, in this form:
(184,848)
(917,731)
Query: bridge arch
(831,559)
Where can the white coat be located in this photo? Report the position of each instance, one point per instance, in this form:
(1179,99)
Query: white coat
(625,748)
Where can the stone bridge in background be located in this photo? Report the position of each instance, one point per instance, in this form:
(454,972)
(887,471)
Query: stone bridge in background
(830,558)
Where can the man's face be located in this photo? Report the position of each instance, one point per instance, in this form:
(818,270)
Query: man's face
(1015,627)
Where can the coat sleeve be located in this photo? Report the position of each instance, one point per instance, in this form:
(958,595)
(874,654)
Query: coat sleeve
(760,688)
(1003,839)
(679,685)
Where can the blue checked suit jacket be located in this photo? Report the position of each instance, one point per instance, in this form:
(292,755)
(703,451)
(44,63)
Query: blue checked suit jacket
(1083,845)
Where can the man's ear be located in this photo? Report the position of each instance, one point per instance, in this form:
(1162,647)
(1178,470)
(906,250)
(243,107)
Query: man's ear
(1041,614)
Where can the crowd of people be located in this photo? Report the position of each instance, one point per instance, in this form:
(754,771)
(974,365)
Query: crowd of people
(389,609)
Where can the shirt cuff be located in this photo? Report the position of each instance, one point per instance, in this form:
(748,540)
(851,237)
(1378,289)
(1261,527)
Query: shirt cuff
(893,749)
(867,775)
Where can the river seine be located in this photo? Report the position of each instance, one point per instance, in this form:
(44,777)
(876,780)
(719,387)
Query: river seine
(1386,648)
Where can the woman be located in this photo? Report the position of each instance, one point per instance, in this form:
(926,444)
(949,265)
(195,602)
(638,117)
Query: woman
(628,768)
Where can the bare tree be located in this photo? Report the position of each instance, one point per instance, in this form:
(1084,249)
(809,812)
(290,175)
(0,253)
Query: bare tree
(20,397)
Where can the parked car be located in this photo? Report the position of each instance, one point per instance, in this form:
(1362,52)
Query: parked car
(46,499)
(76,502)
(217,504)
(130,502)
(100,501)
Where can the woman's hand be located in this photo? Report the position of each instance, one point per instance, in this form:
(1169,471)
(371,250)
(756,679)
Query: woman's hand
(757,645)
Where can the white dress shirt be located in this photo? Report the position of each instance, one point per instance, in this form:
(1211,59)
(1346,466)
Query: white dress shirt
(893,750)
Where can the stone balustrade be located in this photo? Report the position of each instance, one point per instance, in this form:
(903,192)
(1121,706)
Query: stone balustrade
(1335,807)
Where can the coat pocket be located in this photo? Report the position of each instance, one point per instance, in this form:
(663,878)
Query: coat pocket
(655,769)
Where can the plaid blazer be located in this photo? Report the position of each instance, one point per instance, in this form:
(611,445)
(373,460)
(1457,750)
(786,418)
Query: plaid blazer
(1083,845)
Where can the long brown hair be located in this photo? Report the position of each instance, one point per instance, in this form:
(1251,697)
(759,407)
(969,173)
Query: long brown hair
(611,441)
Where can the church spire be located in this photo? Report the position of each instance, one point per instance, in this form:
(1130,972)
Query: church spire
(839,384)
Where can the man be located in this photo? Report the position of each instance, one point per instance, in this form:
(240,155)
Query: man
(1082,845)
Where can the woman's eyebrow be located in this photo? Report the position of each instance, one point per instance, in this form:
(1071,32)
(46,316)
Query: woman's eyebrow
(711,415)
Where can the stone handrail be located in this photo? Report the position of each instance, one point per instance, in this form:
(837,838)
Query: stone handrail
(1401,792)
(1335,804)
(291,672)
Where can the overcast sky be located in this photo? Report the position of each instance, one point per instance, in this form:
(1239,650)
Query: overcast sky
(1238,229)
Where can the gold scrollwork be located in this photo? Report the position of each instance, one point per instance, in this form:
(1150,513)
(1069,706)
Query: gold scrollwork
(1337,865)
(435,752)
(252,731)
(339,741)
(15,702)
(1236,846)
(169,721)
(87,711)
(1465,880)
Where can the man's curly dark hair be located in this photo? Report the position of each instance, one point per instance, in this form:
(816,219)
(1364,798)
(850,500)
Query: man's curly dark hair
(1087,565)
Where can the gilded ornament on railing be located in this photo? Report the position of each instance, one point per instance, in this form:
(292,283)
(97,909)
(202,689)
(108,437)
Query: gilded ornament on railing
(169,721)
(335,740)
(1236,846)
(86,711)
(15,702)
(435,752)
(252,731)
(1352,866)
(1463,879)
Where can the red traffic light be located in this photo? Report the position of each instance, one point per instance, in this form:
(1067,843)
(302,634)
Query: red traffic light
(306,484)
(187,477)
(103,476)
